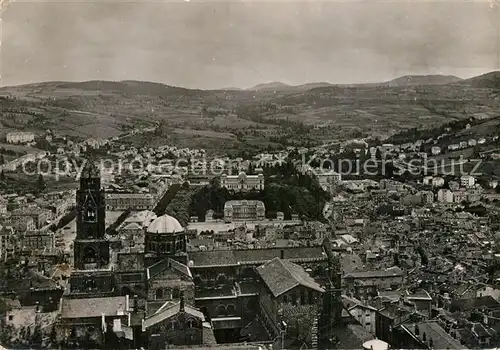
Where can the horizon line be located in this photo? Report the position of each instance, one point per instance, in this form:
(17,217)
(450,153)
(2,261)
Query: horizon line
(239,88)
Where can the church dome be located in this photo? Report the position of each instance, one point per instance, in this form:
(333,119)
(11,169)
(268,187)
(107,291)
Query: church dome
(165,224)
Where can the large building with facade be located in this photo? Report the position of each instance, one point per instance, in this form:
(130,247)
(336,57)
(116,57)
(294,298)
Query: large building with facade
(134,201)
(243,182)
(244,210)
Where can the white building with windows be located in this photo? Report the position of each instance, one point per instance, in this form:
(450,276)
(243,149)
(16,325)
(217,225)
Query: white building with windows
(243,182)
(467,181)
(20,137)
(445,196)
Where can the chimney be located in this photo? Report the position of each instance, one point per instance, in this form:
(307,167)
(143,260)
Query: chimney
(136,303)
(282,254)
(181,307)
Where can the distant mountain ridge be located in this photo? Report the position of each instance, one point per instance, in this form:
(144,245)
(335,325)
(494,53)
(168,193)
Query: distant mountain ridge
(489,80)
(270,86)
(415,80)
(407,80)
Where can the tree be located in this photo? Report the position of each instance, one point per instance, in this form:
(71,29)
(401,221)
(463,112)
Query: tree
(2,175)
(40,183)
(2,160)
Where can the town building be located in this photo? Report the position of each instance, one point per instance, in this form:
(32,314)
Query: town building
(40,216)
(467,181)
(327,178)
(437,181)
(243,182)
(445,196)
(366,283)
(288,293)
(244,210)
(133,201)
(37,241)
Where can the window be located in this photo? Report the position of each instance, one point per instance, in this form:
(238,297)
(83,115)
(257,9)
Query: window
(173,324)
(191,323)
(89,255)
(294,299)
(302,297)
(176,294)
(231,310)
(159,294)
(11,317)
(221,310)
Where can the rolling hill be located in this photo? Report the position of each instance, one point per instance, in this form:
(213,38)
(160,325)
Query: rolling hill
(275,85)
(486,81)
(422,80)
(267,111)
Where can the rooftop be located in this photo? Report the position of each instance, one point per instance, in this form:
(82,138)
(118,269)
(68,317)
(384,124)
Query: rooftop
(432,330)
(241,256)
(168,310)
(390,272)
(281,276)
(92,307)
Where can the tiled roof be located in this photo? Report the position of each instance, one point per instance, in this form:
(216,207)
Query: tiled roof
(481,331)
(474,303)
(168,310)
(391,272)
(351,336)
(432,330)
(164,264)
(233,257)
(92,307)
(280,276)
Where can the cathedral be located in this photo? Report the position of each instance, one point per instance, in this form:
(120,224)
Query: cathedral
(121,296)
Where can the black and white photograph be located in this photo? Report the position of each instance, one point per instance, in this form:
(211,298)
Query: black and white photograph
(249,174)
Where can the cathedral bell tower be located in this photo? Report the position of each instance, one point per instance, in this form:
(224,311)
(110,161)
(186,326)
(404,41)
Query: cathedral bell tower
(91,250)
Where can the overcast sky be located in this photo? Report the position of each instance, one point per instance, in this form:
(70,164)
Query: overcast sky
(201,44)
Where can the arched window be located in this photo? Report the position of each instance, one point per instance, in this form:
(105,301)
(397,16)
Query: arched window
(302,297)
(89,255)
(248,273)
(221,278)
(191,323)
(167,294)
(231,310)
(173,324)
(176,294)
(197,279)
(221,310)
(159,293)
(294,299)
(162,247)
(285,298)
(310,297)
